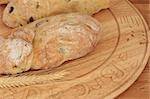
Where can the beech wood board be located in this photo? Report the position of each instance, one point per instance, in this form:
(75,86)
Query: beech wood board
(110,69)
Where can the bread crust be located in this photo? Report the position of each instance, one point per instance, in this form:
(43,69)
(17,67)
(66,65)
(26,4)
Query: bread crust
(21,12)
(48,42)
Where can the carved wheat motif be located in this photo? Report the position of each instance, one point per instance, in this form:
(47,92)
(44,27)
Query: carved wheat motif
(6,82)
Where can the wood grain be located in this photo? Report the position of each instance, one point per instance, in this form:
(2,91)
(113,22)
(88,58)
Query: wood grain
(139,1)
(141,88)
(111,68)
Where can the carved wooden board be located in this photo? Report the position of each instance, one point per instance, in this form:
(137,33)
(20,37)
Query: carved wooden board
(109,70)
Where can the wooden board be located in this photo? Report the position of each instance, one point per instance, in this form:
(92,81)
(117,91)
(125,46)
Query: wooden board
(109,70)
(141,87)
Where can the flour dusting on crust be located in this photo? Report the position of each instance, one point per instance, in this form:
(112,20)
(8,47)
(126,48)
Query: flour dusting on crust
(18,50)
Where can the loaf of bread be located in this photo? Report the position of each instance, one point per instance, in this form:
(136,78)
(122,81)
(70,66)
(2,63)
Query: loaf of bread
(21,12)
(48,42)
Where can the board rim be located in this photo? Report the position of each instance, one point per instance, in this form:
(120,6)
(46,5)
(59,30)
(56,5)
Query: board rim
(136,75)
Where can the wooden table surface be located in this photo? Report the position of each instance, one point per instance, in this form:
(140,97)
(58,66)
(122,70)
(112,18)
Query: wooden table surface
(141,88)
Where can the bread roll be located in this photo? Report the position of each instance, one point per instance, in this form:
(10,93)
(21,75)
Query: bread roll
(21,12)
(48,42)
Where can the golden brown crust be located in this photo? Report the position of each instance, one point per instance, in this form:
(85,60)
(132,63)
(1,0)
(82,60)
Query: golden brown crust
(21,12)
(49,42)
(14,52)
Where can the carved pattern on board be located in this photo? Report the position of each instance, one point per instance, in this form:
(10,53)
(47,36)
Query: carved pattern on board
(109,75)
(113,72)
(106,79)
